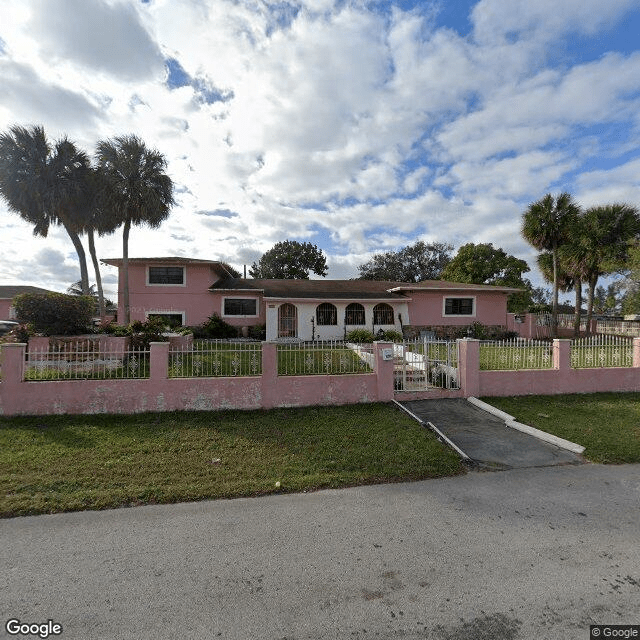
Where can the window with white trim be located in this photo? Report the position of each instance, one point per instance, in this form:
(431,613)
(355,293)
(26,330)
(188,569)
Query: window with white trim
(459,306)
(240,307)
(166,275)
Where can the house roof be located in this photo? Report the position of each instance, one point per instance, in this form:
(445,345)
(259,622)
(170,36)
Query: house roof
(10,291)
(345,289)
(218,266)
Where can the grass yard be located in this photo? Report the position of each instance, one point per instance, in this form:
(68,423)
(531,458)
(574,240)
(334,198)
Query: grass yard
(607,424)
(66,463)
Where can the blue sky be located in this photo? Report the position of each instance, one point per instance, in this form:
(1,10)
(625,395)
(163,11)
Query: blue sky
(359,126)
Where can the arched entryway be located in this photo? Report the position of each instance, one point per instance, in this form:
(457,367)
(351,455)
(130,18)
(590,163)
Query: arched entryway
(287,321)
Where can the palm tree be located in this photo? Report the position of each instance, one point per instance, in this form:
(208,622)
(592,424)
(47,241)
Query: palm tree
(45,185)
(605,243)
(136,191)
(546,225)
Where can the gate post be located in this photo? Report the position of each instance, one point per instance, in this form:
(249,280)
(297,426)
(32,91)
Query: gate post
(384,371)
(469,366)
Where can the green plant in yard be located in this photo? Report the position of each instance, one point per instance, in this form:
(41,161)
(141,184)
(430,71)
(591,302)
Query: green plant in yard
(360,336)
(215,328)
(55,313)
(66,463)
(605,423)
(391,336)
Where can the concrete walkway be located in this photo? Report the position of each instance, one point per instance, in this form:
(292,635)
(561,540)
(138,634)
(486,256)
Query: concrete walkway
(486,439)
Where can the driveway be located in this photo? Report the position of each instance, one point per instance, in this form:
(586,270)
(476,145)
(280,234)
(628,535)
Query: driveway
(537,553)
(486,439)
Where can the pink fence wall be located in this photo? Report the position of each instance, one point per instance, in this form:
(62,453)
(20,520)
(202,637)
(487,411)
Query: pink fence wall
(160,393)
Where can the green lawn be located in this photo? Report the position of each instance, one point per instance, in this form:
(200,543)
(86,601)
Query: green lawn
(65,463)
(607,424)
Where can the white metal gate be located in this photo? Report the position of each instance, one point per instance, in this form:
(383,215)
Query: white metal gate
(426,364)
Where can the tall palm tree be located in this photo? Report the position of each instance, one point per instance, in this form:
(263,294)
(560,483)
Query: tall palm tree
(605,243)
(546,225)
(136,191)
(45,185)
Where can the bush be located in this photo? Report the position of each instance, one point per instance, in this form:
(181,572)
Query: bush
(144,333)
(258,331)
(55,313)
(392,336)
(359,336)
(215,327)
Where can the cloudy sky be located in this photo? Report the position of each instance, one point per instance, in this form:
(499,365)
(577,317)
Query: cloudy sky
(361,126)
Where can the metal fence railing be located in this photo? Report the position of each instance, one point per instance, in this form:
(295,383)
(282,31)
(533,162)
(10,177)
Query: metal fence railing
(630,328)
(325,357)
(513,355)
(216,358)
(85,361)
(601,351)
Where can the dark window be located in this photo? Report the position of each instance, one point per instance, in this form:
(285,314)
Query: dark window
(166,275)
(458,306)
(240,307)
(326,313)
(383,314)
(172,319)
(354,314)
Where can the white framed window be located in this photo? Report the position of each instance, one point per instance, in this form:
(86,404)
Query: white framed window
(166,276)
(383,314)
(326,314)
(244,307)
(462,306)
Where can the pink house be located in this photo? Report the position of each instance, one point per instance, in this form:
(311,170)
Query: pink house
(188,291)
(8,293)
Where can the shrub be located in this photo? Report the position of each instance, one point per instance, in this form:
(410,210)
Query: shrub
(392,336)
(359,336)
(55,313)
(258,331)
(215,327)
(144,333)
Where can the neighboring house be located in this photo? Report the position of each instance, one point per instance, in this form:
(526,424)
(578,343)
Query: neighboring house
(8,293)
(188,291)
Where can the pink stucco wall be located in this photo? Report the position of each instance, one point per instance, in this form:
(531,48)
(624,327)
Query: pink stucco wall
(426,308)
(4,309)
(159,393)
(193,299)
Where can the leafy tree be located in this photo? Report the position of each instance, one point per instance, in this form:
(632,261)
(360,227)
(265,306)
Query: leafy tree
(55,313)
(485,264)
(629,286)
(414,263)
(605,301)
(290,260)
(135,191)
(45,185)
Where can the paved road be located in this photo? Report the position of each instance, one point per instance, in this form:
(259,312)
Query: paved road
(486,439)
(510,555)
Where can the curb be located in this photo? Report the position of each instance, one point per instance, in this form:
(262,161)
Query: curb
(511,422)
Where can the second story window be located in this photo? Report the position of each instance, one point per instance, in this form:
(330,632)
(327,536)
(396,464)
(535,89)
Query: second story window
(166,275)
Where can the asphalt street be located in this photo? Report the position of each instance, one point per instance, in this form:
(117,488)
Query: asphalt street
(536,553)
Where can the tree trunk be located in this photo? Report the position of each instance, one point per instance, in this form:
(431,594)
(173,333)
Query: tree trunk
(96,269)
(82,258)
(593,281)
(578,311)
(125,271)
(554,308)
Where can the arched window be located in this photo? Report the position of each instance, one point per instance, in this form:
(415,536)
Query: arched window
(354,314)
(326,313)
(383,314)
(287,321)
